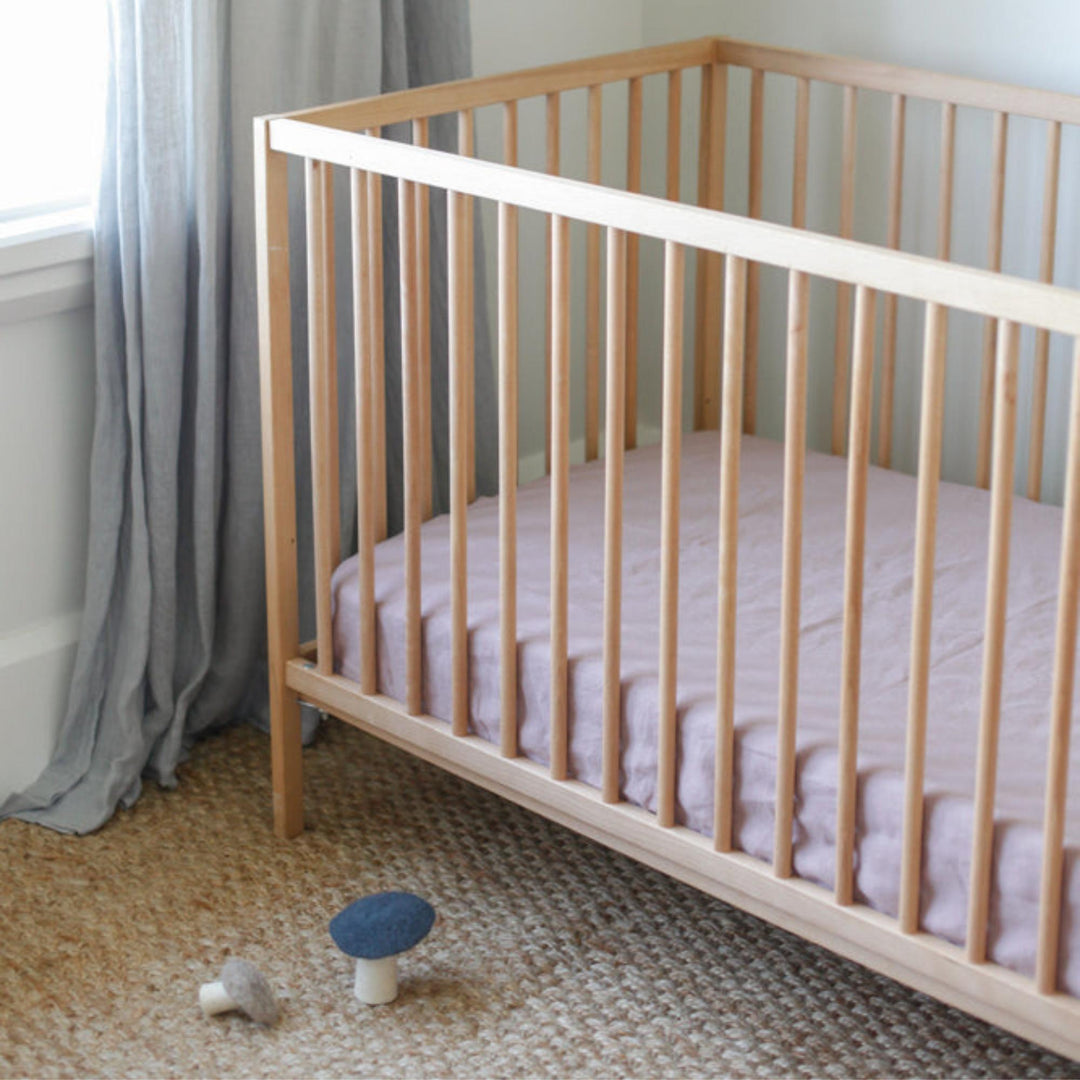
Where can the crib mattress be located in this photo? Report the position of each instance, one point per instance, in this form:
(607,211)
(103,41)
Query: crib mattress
(959,601)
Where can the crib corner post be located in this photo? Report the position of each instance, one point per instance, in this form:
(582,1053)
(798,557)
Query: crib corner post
(279,475)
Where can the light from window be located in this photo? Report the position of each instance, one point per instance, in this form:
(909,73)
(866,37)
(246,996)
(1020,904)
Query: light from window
(52,80)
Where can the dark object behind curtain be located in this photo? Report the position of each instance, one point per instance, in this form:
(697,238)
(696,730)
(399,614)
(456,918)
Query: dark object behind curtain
(173,636)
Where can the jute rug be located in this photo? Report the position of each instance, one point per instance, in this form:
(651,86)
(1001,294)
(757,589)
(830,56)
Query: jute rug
(551,956)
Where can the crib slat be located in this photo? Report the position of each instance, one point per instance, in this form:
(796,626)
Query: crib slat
(802,153)
(1004,441)
(930,435)
(674,280)
(552,166)
(378,345)
(791,584)
(365,475)
(753,281)
(945,180)
(888,343)
(842,343)
(592,285)
(993,262)
(707,375)
(1042,337)
(423,317)
(458,296)
(412,444)
(701,258)
(322,363)
(633,261)
(674,133)
(508,475)
(854,562)
(560,488)
(467,147)
(730,446)
(613,489)
(1061,706)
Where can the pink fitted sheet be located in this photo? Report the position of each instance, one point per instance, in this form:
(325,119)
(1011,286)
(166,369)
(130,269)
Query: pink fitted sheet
(959,600)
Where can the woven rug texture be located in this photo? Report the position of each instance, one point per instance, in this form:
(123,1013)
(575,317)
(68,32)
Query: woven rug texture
(551,956)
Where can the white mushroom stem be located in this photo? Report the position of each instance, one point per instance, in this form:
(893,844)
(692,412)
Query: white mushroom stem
(376,980)
(214,999)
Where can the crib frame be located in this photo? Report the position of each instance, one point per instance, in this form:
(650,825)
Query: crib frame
(730,248)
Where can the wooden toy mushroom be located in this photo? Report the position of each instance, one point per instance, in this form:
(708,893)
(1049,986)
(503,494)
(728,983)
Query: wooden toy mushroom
(375,930)
(241,986)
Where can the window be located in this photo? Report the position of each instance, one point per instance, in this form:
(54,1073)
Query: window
(52,81)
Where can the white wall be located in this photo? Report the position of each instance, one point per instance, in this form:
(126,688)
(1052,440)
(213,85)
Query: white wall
(46,411)
(1032,44)
(513,34)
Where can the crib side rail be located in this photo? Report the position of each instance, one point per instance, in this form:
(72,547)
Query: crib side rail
(736,242)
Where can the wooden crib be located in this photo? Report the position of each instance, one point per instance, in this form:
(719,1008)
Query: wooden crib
(727,256)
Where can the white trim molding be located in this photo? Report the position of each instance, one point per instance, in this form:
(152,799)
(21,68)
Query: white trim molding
(46,265)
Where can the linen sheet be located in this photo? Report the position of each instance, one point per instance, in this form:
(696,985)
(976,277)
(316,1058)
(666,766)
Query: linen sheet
(954,701)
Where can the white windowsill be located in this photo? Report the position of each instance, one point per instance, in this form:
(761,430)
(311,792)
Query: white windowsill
(46,265)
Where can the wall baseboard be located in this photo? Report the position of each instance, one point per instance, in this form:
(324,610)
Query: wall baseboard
(35,672)
(531,466)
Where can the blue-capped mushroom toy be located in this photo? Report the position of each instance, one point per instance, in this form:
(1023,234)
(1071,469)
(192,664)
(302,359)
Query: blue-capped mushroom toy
(376,930)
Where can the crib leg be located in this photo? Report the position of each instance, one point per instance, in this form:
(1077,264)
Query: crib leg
(286,760)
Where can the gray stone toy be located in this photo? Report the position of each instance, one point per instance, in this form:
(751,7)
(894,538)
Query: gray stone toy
(243,987)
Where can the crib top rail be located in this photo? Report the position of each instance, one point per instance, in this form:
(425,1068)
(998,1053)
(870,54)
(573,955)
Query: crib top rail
(964,288)
(447,97)
(893,79)
(441,98)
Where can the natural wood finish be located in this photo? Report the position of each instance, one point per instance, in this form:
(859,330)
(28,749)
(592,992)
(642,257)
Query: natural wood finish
(457,342)
(916,277)
(707,375)
(412,445)
(889,322)
(753,281)
(633,262)
(666,782)
(947,169)
(508,475)
(448,97)
(862,395)
(552,165)
(1061,706)
(365,477)
(842,338)
(560,490)
(279,476)
(1008,339)
(466,148)
(993,262)
(930,434)
(613,488)
(592,284)
(895,947)
(322,371)
(791,581)
(674,134)
(1040,371)
(727,577)
(802,154)
(924,962)
(892,79)
(423,320)
(376,316)
(701,256)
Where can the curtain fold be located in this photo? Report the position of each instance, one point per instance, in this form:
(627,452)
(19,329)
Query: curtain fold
(173,635)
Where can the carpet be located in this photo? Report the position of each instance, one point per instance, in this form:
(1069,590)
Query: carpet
(550,957)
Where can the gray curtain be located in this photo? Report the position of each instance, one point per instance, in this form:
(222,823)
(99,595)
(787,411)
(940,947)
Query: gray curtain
(173,636)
